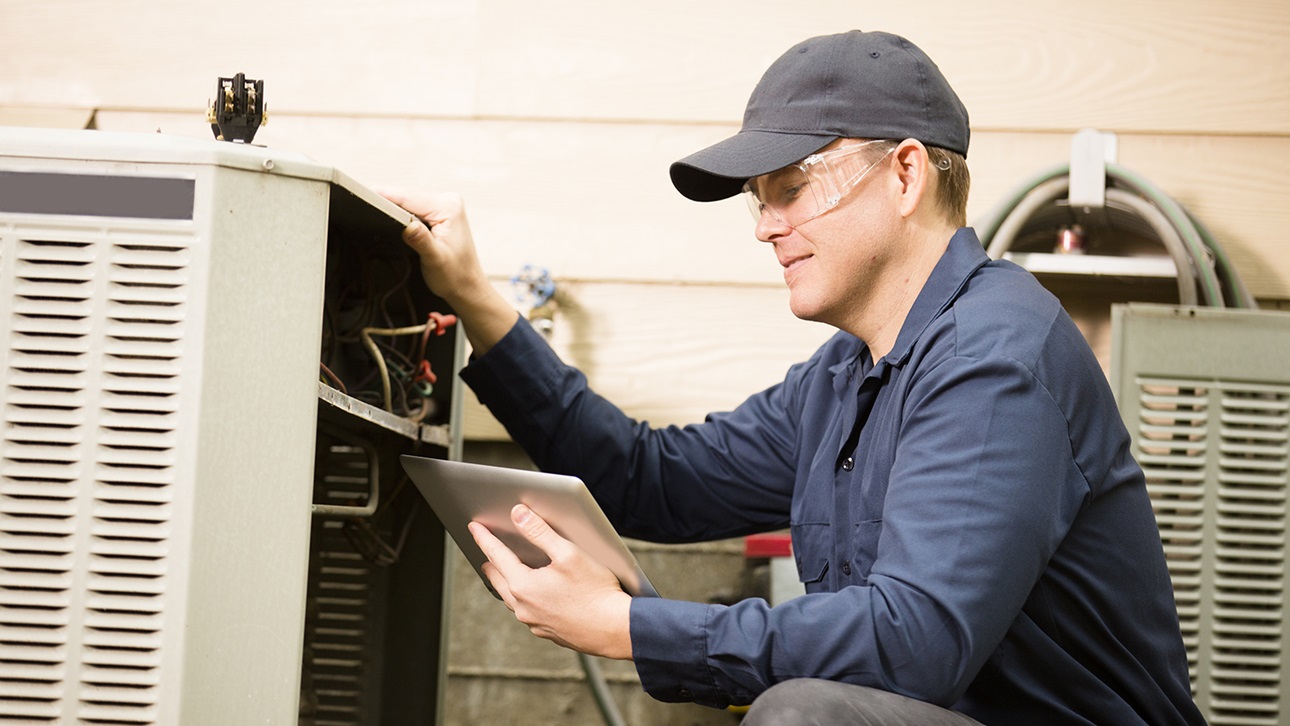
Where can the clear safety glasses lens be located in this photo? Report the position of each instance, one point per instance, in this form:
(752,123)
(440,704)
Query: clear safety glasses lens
(790,195)
(803,191)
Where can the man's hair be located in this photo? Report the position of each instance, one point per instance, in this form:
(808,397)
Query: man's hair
(952,179)
(952,184)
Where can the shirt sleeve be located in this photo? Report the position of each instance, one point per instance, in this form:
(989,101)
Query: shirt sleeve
(983,490)
(731,475)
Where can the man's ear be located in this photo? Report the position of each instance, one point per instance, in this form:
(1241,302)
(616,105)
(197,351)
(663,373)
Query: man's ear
(913,170)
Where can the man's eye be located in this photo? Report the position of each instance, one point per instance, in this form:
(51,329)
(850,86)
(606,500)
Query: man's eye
(789,194)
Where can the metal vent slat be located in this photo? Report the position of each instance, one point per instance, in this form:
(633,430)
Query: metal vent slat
(93,341)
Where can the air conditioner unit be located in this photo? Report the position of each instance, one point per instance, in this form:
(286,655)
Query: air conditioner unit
(1205,393)
(194,527)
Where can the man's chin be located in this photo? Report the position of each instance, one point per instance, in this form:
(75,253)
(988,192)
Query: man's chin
(805,309)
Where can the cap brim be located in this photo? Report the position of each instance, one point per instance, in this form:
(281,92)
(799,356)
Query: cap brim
(719,171)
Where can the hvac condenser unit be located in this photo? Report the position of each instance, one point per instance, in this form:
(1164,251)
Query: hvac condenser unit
(1205,393)
(195,528)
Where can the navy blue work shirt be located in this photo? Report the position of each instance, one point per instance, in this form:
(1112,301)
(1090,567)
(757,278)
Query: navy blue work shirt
(966,516)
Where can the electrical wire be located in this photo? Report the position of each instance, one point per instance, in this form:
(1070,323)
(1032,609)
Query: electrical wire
(1201,261)
(374,293)
(1184,265)
(1239,294)
(1050,191)
(1199,252)
(339,384)
(366,335)
(364,534)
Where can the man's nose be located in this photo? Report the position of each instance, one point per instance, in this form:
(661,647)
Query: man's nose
(770,227)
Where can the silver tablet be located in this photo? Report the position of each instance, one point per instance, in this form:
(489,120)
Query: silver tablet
(460,493)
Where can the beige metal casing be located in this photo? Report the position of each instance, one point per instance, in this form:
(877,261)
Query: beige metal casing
(159,407)
(1205,394)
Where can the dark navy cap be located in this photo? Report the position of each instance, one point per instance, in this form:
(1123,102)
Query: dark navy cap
(849,85)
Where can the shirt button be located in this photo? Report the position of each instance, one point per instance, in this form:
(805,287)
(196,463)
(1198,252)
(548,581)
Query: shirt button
(846,568)
(848,463)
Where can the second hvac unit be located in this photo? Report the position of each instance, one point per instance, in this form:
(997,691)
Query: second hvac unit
(1205,394)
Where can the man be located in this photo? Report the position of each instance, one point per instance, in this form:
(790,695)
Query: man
(975,539)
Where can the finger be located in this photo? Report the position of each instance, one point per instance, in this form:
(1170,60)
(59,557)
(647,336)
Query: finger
(495,550)
(416,233)
(536,530)
(407,202)
(418,204)
(499,584)
(432,208)
(394,194)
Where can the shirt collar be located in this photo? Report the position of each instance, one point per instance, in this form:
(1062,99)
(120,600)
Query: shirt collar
(963,257)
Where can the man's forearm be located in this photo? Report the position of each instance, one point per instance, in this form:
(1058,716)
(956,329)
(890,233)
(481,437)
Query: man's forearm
(485,316)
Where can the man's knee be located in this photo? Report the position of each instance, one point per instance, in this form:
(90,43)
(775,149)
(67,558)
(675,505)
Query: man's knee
(814,702)
(797,701)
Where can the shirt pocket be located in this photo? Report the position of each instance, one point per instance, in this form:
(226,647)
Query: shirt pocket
(810,550)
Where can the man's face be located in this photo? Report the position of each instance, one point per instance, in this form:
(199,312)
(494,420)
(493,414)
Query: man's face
(832,261)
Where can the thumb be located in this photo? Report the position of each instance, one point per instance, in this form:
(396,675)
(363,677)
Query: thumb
(417,235)
(536,530)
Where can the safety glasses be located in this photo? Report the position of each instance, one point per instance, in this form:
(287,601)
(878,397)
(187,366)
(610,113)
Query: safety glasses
(803,191)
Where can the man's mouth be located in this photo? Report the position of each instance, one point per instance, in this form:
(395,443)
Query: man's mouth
(791,265)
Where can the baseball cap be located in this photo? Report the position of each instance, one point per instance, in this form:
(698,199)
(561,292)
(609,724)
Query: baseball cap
(864,85)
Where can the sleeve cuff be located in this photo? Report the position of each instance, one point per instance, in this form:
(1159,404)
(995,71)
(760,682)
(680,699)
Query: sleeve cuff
(669,648)
(519,361)
(517,373)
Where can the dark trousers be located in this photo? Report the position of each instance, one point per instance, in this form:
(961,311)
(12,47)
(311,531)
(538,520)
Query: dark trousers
(812,702)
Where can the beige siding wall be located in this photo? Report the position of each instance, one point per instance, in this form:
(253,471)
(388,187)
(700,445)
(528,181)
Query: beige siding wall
(557,121)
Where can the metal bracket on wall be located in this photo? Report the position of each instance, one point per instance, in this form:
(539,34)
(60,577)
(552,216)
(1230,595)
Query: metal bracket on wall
(1091,151)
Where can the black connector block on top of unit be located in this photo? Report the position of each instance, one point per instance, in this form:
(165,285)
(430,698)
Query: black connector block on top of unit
(238,110)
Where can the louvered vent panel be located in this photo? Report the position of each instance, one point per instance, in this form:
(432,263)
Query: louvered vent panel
(340,683)
(87,482)
(1249,592)
(42,473)
(1172,445)
(337,657)
(1225,544)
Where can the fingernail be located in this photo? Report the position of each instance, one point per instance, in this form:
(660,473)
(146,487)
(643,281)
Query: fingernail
(522,514)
